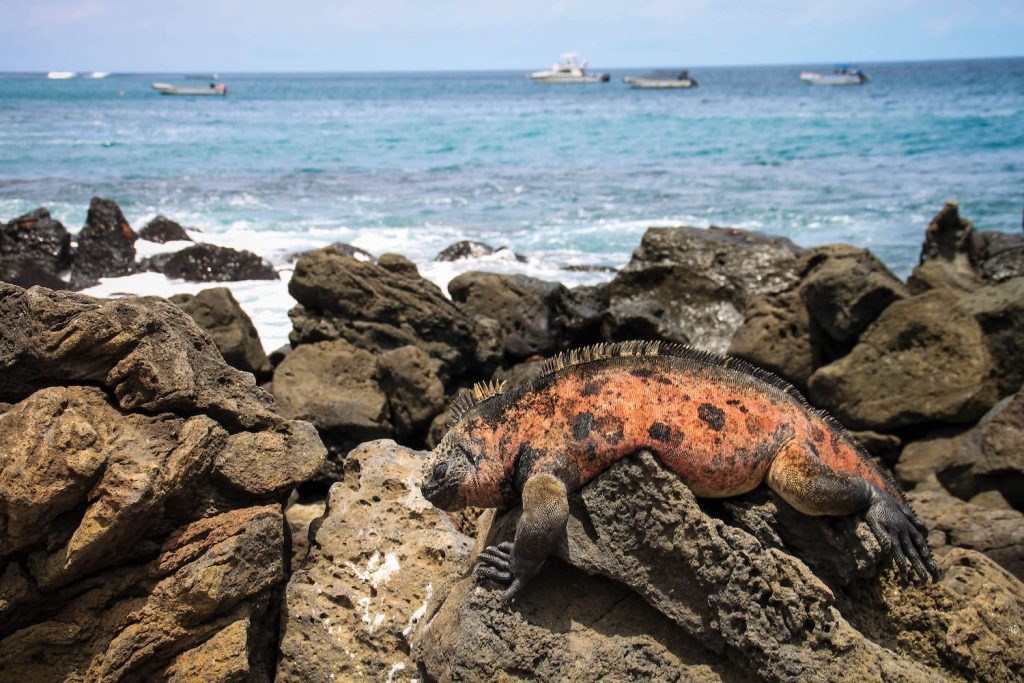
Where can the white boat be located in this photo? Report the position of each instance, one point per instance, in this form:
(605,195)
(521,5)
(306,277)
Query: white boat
(841,75)
(568,70)
(215,90)
(661,79)
(60,75)
(97,74)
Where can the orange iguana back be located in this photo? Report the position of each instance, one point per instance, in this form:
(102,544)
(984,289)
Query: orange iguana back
(721,424)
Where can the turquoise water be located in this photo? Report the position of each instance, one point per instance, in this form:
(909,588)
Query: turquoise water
(411,162)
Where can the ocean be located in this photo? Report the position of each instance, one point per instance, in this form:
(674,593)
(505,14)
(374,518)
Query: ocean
(562,174)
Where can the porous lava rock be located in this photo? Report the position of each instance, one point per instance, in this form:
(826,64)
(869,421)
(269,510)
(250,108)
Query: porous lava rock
(693,285)
(378,554)
(142,483)
(35,249)
(213,263)
(162,230)
(740,589)
(105,247)
(219,314)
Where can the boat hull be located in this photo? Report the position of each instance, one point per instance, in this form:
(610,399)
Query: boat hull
(168,89)
(659,84)
(832,79)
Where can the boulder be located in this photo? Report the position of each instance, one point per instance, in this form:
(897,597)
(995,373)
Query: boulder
(745,588)
(343,247)
(34,250)
(378,307)
(219,314)
(954,523)
(162,230)
(693,285)
(777,335)
(409,377)
(530,312)
(106,245)
(212,263)
(923,360)
(378,555)
(846,288)
(1002,255)
(141,526)
(465,249)
(999,310)
(335,386)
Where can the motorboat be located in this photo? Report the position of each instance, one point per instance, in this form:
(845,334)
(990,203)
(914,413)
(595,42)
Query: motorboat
(661,79)
(97,74)
(215,90)
(569,70)
(60,75)
(841,75)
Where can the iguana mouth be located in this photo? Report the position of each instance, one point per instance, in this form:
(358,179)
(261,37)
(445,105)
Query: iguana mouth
(440,493)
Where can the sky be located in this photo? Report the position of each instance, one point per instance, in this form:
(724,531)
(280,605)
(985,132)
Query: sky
(399,35)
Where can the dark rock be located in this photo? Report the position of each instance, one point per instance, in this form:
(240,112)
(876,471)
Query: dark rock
(162,229)
(341,247)
(219,314)
(923,360)
(141,529)
(692,285)
(414,390)
(885,447)
(34,250)
(279,354)
(766,593)
(950,238)
(212,263)
(999,310)
(953,523)
(157,263)
(589,268)
(106,245)
(529,311)
(377,309)
(1002,255)
(470,249)
(777,335)
(336,386)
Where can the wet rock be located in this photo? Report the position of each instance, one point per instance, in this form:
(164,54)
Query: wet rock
(378,308)
(212,263)
(766,593)
(923,360)
(162,230)
(1002,256)
(219,314)
(953,523)
(465,249)
(529,311)
(34,250)
(341,247)
(106,245)
(692,285)
(377,556)
(335,386)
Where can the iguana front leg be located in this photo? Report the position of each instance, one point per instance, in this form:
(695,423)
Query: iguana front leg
(538,533)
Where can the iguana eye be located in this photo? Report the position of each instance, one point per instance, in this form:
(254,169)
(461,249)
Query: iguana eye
(440,469)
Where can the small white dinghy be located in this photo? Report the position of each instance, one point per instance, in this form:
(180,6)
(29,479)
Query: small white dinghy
(841,75)
(215,90)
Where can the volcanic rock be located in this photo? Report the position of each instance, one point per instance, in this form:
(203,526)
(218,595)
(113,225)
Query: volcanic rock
(212,263)
(34,250)
(106,245)
(378,308)
(465,249)
(693,285)
(376,557)
(219,314)
(162,229)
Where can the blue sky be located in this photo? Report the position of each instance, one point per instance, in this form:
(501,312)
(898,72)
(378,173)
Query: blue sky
(321,35)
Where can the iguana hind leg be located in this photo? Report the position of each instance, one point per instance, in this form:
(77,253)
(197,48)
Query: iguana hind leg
(538,534)
(815,488)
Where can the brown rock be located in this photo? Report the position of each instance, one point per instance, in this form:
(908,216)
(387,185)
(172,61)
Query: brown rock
(376,558)
(999,310)
(271,462)
(692,285)
(219,314)
(409,377)
(923,360)
(776,334)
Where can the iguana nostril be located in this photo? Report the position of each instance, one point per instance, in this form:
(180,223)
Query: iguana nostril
(440,469)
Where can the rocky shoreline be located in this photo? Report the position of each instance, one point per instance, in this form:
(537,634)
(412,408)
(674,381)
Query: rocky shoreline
(176,503)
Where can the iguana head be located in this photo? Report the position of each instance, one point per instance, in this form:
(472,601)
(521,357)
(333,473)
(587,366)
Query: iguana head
(451,474)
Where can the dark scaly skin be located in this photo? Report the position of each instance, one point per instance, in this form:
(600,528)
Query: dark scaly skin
(723,431)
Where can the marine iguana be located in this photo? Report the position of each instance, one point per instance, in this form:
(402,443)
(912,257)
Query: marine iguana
(721,424)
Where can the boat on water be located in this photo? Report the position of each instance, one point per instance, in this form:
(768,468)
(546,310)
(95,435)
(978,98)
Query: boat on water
(60,75)
(841,75)
(215,90)
(662,79)
(568,70)
(97,74)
